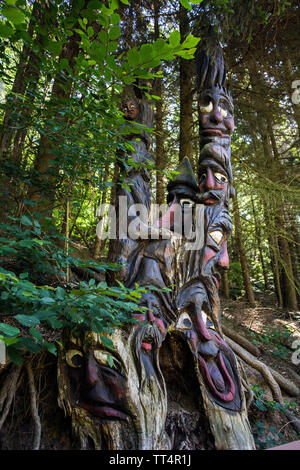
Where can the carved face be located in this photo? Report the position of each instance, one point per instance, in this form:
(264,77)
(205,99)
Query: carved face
(215,255)
(215,363)
(179,216)
(98,377)
(213,182)
(106,391)
(198,311)
(154,316)
(130,109)
(215,116)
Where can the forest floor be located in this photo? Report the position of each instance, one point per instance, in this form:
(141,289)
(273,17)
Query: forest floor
(273,331)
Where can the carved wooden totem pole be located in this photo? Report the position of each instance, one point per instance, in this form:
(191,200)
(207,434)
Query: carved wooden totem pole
(174,383)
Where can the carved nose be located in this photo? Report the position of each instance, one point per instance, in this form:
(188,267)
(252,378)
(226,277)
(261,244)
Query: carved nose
(91,375)
(209,180)
(223,260)
(216,116)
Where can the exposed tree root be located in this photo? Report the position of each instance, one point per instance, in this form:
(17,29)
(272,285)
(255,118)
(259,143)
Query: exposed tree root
(295,422)
(258,365)
(34,408)
(249,395)
(286,385)
(240,340)
(8,391)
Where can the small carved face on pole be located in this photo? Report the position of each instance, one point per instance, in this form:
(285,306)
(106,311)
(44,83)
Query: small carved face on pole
(130,109)
(216,122)
(215,175)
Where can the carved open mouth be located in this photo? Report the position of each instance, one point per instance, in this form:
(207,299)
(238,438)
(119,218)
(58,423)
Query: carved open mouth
(103,411)
(208,202)
(218,132)
(217,279)
(147,343)
(218,378)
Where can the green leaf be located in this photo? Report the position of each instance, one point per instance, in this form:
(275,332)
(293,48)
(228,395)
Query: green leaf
(190,41)
(9,330)
(13,14)
(51,347)
(36,334)
(110,361)
(114,32)
(15,355)
(47,300)
(5,30)
(27,320)
(115,18)
(54,47)
(23,275)
(8,341)
(146,52)
(26,221)
(174,38)
(60,293)
(103,36)
(112,46)
(185,4)
(126,2)
(107,342)
(94,5)
(103,19)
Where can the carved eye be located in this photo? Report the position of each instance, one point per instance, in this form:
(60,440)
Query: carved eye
(217,236)
(184,322)
(74,358)
(105,359)
(186,203)
(221,177)
(223,111)
(100,357)
(207,108)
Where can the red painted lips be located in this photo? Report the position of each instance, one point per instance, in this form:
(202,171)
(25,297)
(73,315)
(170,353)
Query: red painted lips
(217,132)
(103,411)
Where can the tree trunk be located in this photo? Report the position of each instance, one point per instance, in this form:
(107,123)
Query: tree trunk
(259,243)
(225,284)
(186,95)
(159,136)
(98,243)
(43,189)
(27,74)
(242,252)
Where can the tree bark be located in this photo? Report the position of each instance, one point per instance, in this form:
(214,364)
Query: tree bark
(242,252)
(27,74)
(259,243)
(186,94)
(159,131)
(43,189)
